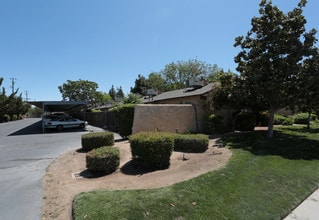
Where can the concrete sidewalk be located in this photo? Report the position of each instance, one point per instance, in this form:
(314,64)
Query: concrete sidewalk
(307,210)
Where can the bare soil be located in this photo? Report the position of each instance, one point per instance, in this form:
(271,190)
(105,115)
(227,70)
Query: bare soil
(67,175)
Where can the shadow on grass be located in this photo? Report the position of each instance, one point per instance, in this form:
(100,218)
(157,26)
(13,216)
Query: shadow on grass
(289,142)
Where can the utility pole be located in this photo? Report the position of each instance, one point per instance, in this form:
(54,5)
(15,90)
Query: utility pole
(26,96)
(13,80)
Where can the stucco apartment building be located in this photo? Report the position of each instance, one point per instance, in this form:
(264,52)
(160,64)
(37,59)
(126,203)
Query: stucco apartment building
(196,96)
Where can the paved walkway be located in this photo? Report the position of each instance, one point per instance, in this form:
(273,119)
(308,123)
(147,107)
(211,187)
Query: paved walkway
(307,210)
(25,154)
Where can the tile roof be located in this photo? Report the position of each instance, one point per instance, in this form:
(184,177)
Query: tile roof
(179,93)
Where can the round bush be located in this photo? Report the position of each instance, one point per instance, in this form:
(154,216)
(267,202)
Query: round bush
(94,140)
(246,121)
(6,118)
(14,117)
(154,148)
(103,160)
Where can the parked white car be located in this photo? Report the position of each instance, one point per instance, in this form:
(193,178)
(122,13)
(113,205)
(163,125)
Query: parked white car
(53,116)
(63,122)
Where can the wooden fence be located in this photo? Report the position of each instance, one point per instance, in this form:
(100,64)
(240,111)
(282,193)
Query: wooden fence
(104,120)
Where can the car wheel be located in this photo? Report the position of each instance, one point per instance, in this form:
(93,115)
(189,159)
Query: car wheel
(59,127)
(82,126)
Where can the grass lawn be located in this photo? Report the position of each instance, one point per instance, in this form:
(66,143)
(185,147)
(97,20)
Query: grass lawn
(265,179)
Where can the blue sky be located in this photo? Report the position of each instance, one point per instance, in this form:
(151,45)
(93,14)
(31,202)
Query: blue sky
(44,43)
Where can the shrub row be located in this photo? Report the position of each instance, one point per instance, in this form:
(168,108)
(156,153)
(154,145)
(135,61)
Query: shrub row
(300,118)
(246,121)
(283,120)
(155,148)
(94,140)
(103,160)
(190,143)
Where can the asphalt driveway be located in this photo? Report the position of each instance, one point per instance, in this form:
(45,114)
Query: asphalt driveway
(25,152)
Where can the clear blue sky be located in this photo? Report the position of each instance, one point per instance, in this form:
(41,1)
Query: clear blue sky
(45,43)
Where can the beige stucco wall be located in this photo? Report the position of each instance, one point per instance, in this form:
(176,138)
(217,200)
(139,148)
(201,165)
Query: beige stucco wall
(164,117)
(200,104)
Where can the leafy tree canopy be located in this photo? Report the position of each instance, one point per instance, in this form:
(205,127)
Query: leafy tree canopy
(12,105)
(272,53)
(140,85)
(175,75)
(81,90)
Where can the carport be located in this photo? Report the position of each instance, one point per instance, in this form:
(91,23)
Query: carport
(57,106)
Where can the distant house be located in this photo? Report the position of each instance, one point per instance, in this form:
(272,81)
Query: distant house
(195,95)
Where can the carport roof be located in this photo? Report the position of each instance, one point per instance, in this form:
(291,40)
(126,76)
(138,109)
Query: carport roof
(57,106)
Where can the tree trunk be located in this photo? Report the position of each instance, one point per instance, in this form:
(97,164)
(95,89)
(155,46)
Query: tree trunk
(309,119)
(271,123)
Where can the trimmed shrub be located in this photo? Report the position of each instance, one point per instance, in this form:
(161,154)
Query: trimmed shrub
(215,124)
(153,148)
(246,121)
(6,118)
(124,116)
(94,140)
(14,117)
(104,160)
(190,143)
(302,118)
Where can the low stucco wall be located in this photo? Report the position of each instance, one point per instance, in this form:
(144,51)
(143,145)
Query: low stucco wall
(164,117)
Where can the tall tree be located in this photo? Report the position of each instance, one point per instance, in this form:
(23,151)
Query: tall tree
(156,82)
(112,92)
(271,55)
(120,93)
(140,85)
(177,73)
(81,90)
(132,99)
(105,97)
(12,104)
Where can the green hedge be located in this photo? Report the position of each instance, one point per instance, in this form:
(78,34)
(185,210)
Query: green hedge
(94,140)
(215,124)
(190,143)
(246,121)
(103,160)
(154,148)
(283,120)
(302,118)
(124,116)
